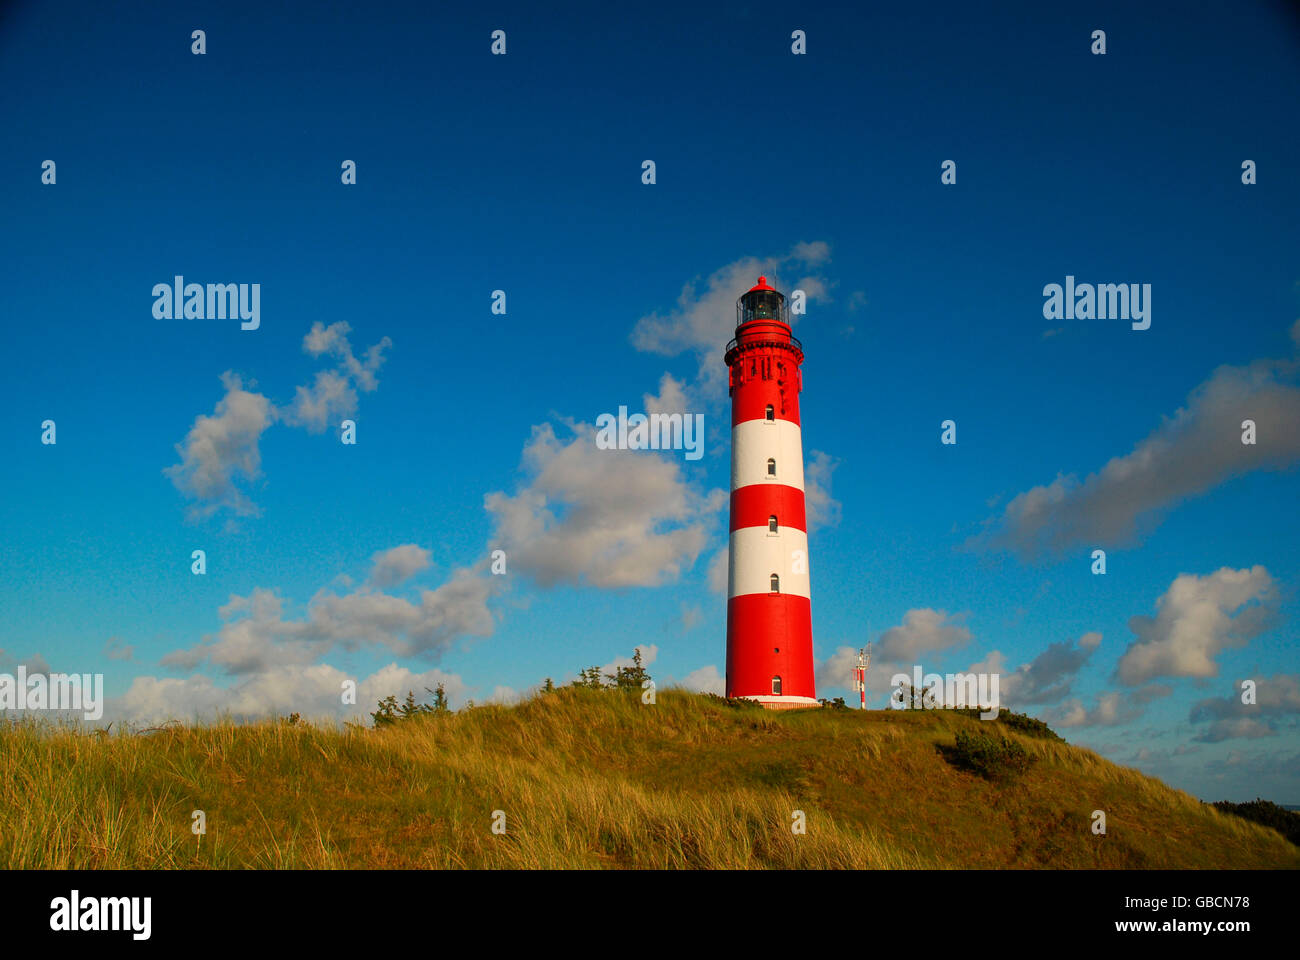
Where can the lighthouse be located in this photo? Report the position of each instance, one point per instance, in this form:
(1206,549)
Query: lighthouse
(769,612)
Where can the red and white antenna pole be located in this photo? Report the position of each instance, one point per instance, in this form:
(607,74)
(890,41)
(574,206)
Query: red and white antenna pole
(860,674)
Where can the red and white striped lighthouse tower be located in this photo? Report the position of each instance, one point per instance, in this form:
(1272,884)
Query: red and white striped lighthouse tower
(769,615)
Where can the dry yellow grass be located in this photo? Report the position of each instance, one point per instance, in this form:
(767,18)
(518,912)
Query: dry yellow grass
(590,779)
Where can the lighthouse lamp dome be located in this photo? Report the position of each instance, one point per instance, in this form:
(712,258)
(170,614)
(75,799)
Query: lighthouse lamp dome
(762,302)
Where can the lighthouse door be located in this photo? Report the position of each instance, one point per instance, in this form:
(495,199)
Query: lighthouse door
(776,686)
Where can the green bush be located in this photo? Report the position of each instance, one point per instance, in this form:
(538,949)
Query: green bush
(1019,722)
(1284,821)
(623,678)
(735,703)
(390,711)
(1028,725)
(994,758)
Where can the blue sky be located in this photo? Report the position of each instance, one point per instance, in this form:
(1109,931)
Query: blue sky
(522,173)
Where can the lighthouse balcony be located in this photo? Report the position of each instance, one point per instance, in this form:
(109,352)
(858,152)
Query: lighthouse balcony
(764,335)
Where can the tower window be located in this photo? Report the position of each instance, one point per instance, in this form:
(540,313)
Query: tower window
(771,524)
(776,686)
(771,468)
(776,583)
(771,413)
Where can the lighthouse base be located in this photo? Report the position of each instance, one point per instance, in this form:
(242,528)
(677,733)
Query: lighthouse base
(784,703)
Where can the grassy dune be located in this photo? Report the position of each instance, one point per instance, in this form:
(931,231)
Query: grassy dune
(594,779)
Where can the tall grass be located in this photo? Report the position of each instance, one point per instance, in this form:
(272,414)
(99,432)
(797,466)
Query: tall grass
(592,779)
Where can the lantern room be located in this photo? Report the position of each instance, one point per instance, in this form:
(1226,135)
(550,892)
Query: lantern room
(762,302)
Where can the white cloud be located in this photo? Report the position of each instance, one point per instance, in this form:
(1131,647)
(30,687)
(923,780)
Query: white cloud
(1276,697)
(922,631)
(1196,449)
(222,447)
(812,254)
(1196,619)
(34,663)
(719,572)
(330,399)
(1050,675)
(501,694)
(823,509)
(671,398)
(607,518)
(256,637)
(332,396)
(1235,728)
(1111,708)
(705,680)
(314,691)
(995,662)
(398,564)
(649,653)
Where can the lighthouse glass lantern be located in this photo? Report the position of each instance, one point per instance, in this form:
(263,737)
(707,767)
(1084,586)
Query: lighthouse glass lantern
(760,304)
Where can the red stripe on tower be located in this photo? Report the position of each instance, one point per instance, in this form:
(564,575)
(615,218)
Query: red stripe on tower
(769,613)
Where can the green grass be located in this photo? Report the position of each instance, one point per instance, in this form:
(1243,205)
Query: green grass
(591,778)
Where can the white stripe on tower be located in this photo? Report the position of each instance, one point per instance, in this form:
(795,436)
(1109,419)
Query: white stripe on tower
(757,554)
(754,442)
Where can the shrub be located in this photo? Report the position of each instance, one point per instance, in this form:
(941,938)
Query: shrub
(994,758)
(623,678)
(1019,722)
(1284,821)
(390,711)
(1031,726)
(630,678)
(734,703)
(589,679)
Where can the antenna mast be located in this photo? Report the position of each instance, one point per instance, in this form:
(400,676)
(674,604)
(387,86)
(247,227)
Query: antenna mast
(860,674)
